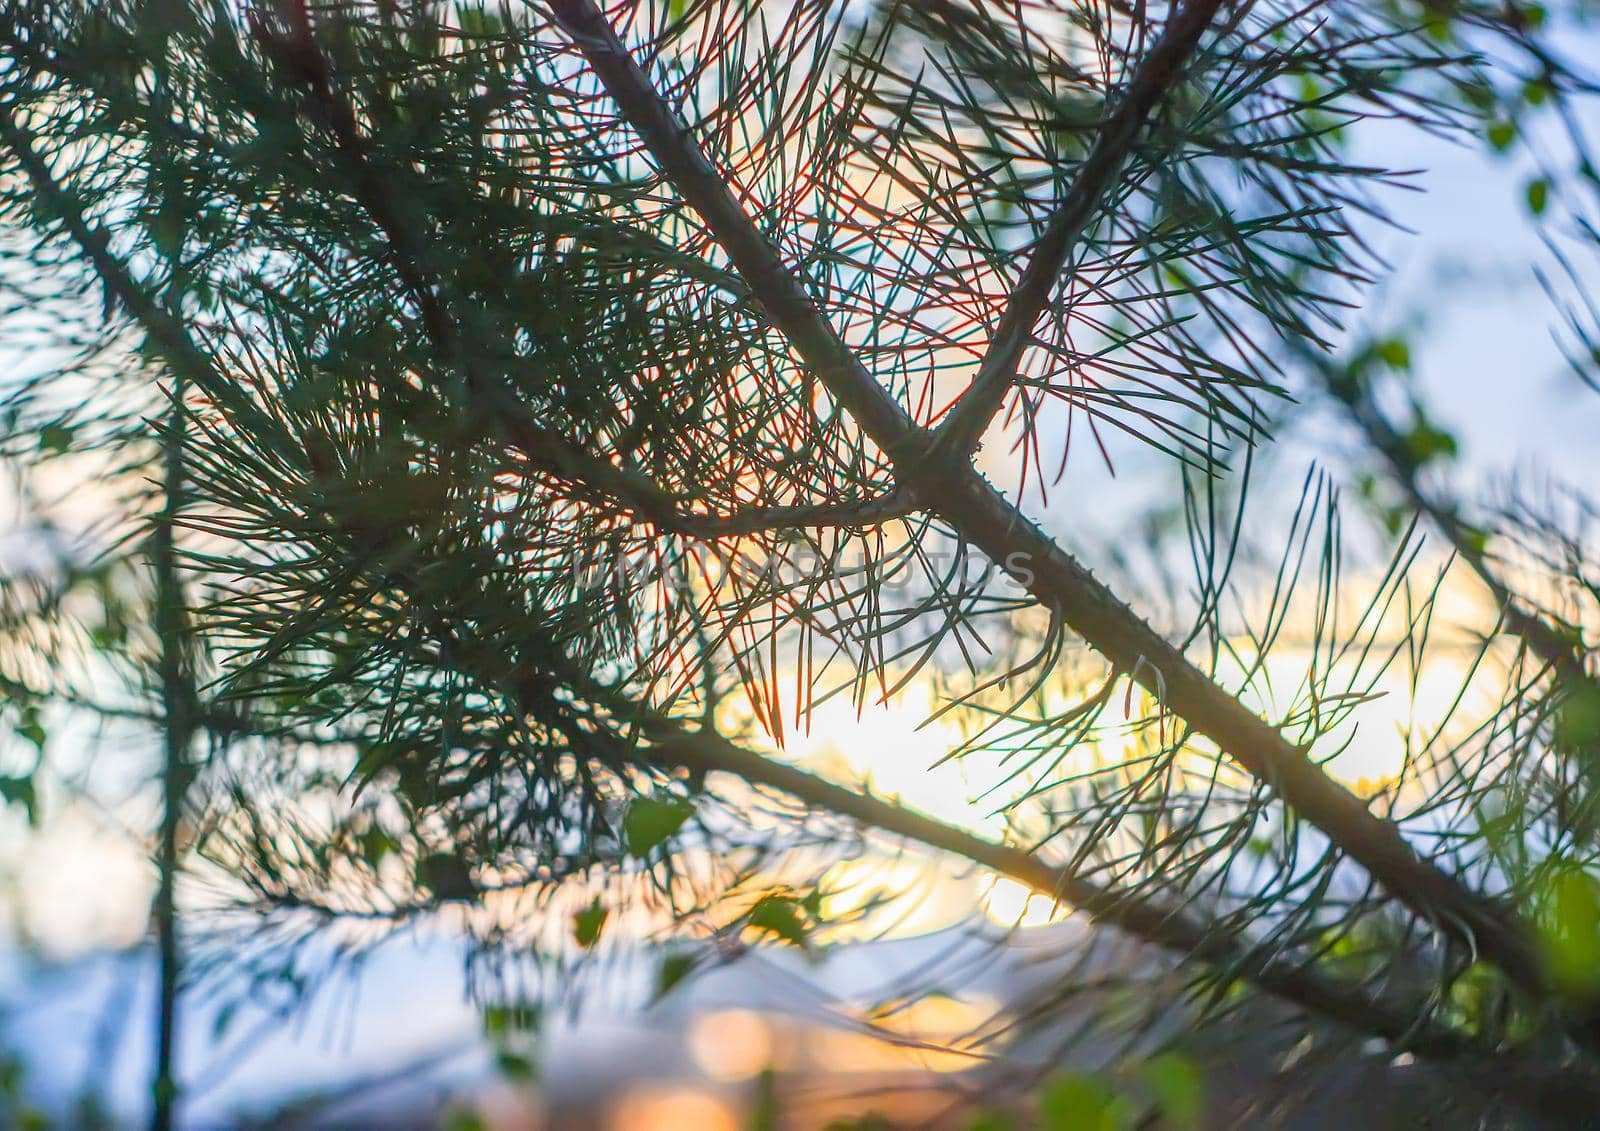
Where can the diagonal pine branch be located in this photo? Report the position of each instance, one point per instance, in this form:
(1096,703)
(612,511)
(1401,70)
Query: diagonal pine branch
(1160,69)
(978,512)
(1170,928)
(770,281)
(671,743)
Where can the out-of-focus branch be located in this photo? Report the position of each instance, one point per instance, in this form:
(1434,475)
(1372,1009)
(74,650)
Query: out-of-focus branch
(1563,654)
(178,725)
(168,335)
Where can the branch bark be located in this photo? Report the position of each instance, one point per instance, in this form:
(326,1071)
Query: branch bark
(1170,928)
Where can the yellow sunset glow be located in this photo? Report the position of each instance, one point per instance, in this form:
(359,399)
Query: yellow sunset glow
(1009,904)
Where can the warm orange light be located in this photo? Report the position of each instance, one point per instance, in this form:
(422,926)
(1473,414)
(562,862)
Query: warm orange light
(730,1044)
(671,1110)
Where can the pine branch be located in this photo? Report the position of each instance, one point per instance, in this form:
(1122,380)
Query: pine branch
(178,714)
(771,283)
(702,751)
(542,448)
(1172,929)
(986,519)
(930,468)
(1157,73)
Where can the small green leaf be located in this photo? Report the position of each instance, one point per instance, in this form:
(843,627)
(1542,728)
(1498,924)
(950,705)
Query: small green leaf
(588,924)
(650,823)
(1395,353)
(1425,443)
(1073,1101)
(781,916)
(1501,135)
(464,1119)
(674,969)
(1538,193)
(1178,1088)
(515,1067)
(504,1020)
(1473,993)
(1570,929)
(20,791)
